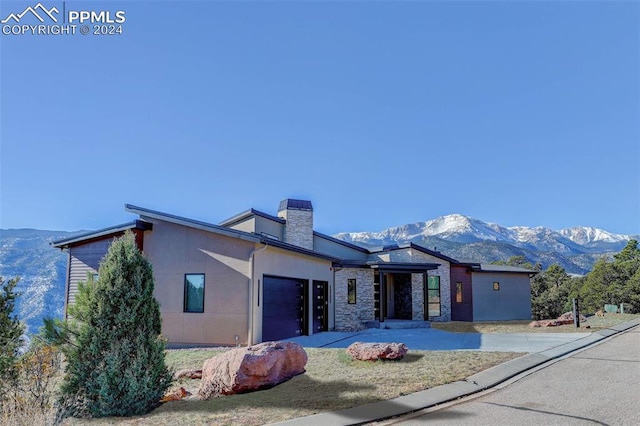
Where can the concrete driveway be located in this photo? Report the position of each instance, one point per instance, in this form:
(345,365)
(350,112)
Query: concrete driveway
(438,340)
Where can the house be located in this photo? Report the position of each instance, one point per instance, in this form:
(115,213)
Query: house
(257,277)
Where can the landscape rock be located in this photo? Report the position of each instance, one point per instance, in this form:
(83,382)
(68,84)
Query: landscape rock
(188,373)
(252,368)
(568,316)
(564,319)
(175,395)
(374,351)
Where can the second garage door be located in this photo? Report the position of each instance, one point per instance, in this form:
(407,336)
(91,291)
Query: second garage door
(283,312)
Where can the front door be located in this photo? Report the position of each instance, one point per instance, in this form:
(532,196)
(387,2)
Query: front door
(320,306)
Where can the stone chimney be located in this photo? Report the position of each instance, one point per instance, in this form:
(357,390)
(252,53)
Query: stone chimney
(298,229)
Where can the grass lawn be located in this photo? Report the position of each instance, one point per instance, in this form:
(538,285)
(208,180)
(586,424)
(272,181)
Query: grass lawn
(333,381)
(595,323)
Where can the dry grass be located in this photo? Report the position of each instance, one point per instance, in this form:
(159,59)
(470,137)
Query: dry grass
(333,381)
(594,323)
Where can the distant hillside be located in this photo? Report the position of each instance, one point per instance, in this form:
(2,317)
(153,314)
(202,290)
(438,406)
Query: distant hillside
(42,270)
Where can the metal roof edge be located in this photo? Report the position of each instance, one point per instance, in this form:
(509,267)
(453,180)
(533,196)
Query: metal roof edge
(505,269)
(433,253)
(136,224)
(403,265)
(248,213)
(192,223)
(338,241)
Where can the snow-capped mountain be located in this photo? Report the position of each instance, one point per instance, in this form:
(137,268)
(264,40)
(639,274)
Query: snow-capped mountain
(466,238)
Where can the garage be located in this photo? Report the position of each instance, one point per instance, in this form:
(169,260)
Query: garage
(284,309)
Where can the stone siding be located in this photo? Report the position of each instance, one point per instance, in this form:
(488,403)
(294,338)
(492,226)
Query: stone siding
(444,272)
(417,296)
(298,229)
(352,316)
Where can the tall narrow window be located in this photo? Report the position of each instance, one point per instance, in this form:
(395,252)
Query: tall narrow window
(351,291)
(433,296)
(458,292)
(194,293)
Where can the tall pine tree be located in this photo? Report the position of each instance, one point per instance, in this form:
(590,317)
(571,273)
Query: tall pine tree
(11,329)
(115,353)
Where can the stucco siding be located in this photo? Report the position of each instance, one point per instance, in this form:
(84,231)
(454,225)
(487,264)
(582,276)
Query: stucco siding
(269,227)
(176,250)
(511,302)
(322,245)
(247,225)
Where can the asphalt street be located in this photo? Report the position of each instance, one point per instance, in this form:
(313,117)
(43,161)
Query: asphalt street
(599,385)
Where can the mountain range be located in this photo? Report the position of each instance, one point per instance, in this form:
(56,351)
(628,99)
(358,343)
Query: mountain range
(27,253)
(464,238)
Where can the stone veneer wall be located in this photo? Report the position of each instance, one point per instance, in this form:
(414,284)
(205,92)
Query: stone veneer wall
(444,271)
(298,229)
(352,317)
(417,296)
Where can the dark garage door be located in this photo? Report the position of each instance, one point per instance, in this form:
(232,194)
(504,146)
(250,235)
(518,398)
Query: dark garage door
(283,312)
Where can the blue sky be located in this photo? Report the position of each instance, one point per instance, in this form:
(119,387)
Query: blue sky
(380,113)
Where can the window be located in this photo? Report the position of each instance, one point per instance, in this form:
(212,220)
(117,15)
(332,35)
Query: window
(496,286)
(351,291)
(194,293)
(458,292)
(433,296)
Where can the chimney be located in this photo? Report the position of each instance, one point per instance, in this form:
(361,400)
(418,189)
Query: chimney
(298,229)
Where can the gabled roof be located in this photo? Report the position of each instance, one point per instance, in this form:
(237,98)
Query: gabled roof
(433,253)
(343,243)
(393,247)
(100,233)
(221,230)
(247,214)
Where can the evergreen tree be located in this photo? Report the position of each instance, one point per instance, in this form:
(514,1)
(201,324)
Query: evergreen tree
(614,282)
(549,292)
(115,353)
(11,329)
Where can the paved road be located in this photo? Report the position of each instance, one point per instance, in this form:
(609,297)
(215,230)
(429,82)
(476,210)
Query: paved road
(599,386)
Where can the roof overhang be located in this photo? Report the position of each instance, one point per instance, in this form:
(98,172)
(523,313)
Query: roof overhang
(102,233)
(399,267)
(203,226)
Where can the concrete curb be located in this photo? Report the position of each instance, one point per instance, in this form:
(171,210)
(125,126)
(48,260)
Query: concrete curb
(441,394)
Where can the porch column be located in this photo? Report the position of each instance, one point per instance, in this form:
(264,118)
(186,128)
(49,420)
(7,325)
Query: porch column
(426,295)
